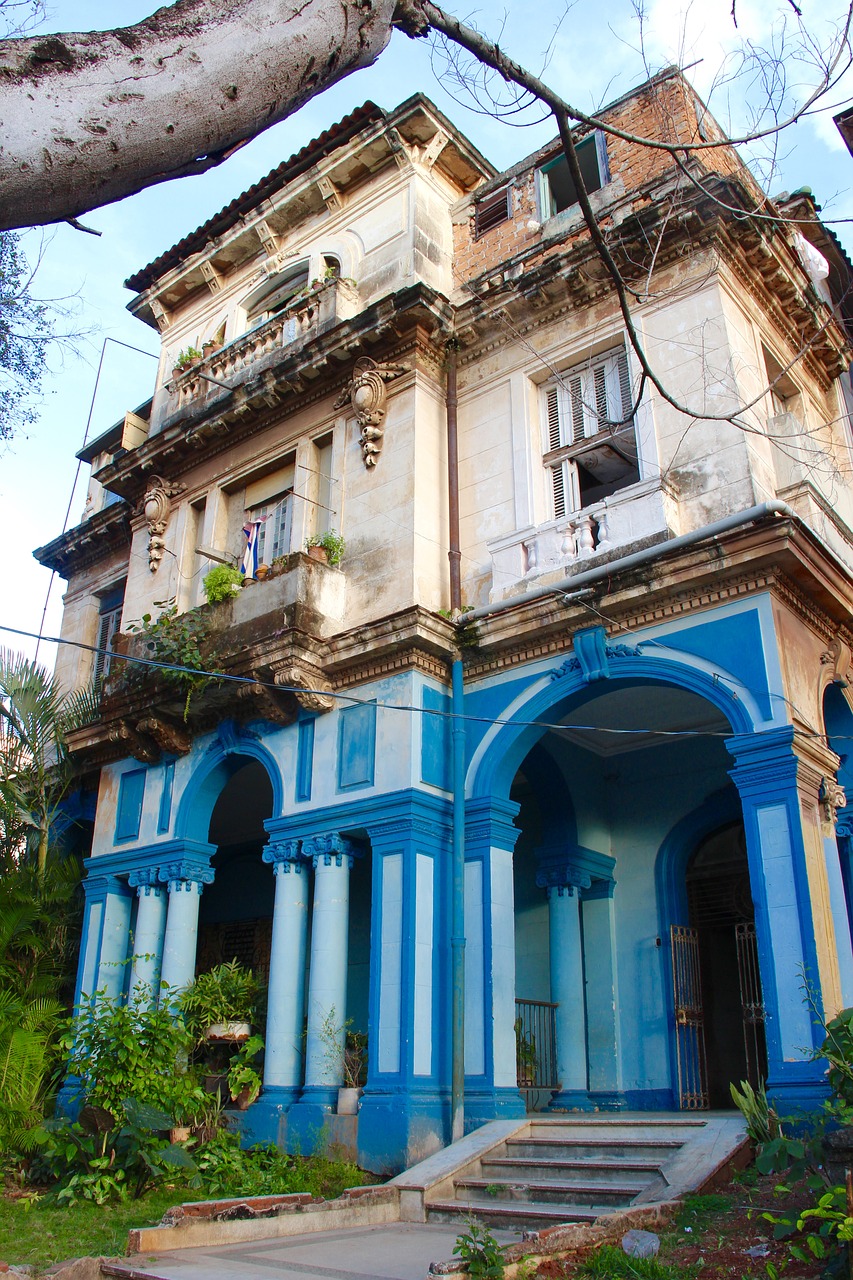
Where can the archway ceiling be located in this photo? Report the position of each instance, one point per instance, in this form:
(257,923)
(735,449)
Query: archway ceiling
(638,711)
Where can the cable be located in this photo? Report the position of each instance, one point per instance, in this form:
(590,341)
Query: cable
(408,707)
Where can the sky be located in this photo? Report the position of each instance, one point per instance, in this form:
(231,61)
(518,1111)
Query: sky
(591,51)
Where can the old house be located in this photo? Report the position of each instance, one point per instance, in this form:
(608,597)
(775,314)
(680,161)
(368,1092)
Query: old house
(654,685)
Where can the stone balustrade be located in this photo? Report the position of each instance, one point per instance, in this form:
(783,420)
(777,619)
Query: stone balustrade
(633,515)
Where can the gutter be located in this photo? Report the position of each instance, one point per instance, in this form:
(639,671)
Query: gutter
(637,558)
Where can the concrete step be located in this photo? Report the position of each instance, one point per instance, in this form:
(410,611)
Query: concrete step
(545,1191)
(594,1147)
(635,1173)
(513,1217)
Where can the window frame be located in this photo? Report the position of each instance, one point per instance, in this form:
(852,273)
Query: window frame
(544,192)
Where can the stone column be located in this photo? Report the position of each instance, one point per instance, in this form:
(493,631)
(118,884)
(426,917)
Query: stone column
(115,939)
(149,933)
(286,1001)
(185,878)
(604,1055)
(793,915)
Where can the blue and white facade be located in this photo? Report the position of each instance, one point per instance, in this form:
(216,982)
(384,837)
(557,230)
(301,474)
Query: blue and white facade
(655,695)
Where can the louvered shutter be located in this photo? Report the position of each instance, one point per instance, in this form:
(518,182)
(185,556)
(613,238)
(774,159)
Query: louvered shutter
(107,627)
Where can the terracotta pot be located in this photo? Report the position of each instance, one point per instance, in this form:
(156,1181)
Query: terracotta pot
(228,1032)
(180,1133)
(244,1098)
(217,1083)
(319,553)
(262,572)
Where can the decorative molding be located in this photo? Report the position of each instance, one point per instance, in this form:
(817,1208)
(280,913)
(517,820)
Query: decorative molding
(157,508)
(831,797)
(306,683)
(135,744)
(186,872)
(283,853)
(368,398)
(592,655)
(331,850)
(143,879)
(172,738)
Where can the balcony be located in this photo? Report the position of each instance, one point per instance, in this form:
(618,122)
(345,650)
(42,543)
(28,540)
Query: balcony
(640,514)
(325,304)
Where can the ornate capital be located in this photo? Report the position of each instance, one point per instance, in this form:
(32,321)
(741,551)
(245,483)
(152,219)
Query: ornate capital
(330,850)
(144,879)
(172,738)
(832,798)
(563,875)
(572,866)
(368,398)
(157,507)
(186,874)
(283,853)
(307,684)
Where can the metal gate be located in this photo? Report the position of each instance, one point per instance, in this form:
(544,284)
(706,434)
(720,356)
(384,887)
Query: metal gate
(689,1019)
(751,1001)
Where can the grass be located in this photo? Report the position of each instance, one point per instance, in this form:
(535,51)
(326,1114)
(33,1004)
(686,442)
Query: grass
(42,1234)
(610,1263)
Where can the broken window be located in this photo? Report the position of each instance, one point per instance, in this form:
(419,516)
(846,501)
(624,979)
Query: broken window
(274,295)
(491,211)
(591,443)
(557,190)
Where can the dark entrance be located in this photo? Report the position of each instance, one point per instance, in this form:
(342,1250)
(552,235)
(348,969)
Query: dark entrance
(725,1002)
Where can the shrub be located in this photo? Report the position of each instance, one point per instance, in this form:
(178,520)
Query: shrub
(227,993)
(221,583)
(331,542)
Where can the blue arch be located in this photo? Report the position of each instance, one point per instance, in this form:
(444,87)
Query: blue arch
(515,739)
(217,765)
(551,790)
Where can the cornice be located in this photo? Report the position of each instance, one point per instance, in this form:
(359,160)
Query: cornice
(85,544)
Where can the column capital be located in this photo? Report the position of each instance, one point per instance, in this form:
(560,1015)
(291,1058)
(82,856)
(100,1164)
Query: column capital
(490,822)
(143,879)
(280,852)
(185,872)
(330,850)
(571,866)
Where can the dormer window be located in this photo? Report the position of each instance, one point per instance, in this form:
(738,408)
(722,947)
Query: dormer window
(557,190)
(275,294)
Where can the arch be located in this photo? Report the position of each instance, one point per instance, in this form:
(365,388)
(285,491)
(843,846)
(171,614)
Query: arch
(553,797)
(498,757)
(272,294)
(223,757)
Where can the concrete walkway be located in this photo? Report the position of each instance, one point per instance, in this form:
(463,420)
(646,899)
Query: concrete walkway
(401,1251)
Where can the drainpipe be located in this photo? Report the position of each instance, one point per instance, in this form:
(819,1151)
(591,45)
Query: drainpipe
(576,580)
(457,908)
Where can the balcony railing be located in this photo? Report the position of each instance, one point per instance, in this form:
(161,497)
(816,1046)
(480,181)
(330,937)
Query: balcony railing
(303,318)
(634,514)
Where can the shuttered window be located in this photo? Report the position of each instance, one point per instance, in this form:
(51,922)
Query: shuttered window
(492,211)
(109,621)
(591,448)
(274,533)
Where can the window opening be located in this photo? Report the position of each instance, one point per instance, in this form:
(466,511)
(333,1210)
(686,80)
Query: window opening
(331,267)
(492,211)
(784,392)
(109,622)
(274,533)
(323,457)
(591,440)
(558,190)
(275,296)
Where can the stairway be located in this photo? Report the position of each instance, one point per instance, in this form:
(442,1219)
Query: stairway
(574,1169)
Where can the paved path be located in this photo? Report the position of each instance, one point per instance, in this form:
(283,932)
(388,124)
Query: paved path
(401,1251)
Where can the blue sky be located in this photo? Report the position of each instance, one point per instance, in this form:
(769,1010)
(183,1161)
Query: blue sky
(591,52)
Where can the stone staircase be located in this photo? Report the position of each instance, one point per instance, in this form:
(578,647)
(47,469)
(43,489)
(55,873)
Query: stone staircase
(574,1168)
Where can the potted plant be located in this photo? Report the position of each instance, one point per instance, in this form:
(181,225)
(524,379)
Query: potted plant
(186,359)
(244,1081)
(220,1005)
(327,547)
(346,1055)
(222,582)
(525,1056)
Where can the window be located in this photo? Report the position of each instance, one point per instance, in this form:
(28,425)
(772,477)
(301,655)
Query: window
(784,393)
(325,516)
(491,211)
(270,500)
(557,190)
(109,621)
(591,447)
(274,295)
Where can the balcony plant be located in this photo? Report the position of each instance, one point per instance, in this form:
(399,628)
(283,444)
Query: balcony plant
(175,639)
(186,359)
(222,582)
(221,1005)
(244,1081)
(328,547)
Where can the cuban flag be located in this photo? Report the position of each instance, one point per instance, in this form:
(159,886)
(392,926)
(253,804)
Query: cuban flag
(249,564)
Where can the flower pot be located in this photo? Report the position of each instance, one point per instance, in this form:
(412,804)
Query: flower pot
(245,1098)
(217,1083)
(348,1100)
(262,572)
(228,1032)
(319,553)
(180,1133)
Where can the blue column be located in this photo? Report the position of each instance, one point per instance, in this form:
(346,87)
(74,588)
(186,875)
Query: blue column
(332,857)
(604,1050)
(767,775)
(491,1088)
(95,892)
(286,1001)
(115,939)
(562,883)
(185,877)
(149,933)
(404,1114)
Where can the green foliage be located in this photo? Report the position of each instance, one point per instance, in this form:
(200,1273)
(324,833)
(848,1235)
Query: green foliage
(331,542)
(610,1263)
(120,1051)
(29,1060)
(837,1050)
(481,1251)
(175,639)
(242,1073)
(762,1122)
(35,769)
(187,357)
(345,1050)
(226,1169)
(26,327)
(222,583)
(355,1059)
(106,1157)
(227,993)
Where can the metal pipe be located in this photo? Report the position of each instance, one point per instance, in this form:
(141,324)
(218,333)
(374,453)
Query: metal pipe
(576,580)
(457,905)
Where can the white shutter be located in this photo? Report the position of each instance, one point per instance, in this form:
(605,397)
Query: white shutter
(107,627)
(558,482)
(554,438)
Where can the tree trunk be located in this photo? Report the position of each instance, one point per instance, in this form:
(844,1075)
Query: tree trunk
(90,117)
